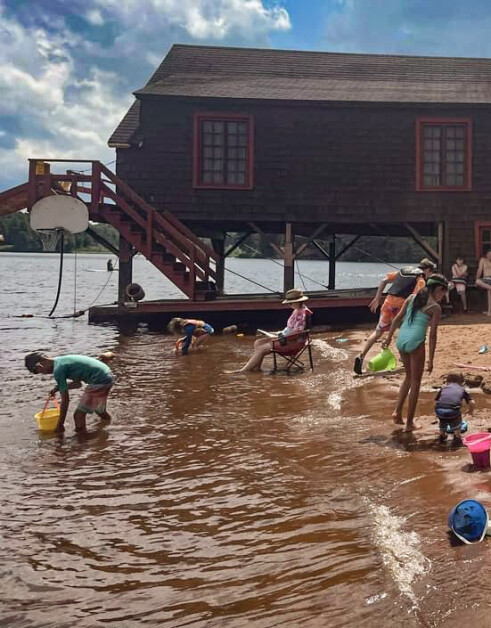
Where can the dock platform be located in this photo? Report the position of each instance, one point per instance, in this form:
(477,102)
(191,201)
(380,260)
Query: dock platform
(247,310)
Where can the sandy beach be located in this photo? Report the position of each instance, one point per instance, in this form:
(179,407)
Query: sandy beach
(460,338)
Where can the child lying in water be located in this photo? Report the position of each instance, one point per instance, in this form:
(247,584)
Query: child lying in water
(448,407)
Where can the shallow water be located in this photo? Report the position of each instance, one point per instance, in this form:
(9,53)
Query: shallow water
(219,501)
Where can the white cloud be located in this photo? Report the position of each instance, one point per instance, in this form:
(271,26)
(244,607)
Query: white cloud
(94,17)
(203,19)
(63,105)
(59,114)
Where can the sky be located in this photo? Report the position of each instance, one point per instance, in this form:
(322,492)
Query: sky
(69,67)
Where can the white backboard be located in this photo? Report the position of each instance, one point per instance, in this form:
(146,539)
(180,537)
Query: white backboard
(60,212)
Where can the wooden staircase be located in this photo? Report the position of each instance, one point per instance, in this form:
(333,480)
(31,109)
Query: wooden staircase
(163,239)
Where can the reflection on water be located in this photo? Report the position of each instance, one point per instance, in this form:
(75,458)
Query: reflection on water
(222,501)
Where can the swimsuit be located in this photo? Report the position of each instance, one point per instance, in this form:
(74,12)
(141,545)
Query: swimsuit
(412,333)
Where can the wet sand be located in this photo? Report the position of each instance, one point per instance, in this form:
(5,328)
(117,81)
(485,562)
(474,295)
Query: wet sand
(460,338)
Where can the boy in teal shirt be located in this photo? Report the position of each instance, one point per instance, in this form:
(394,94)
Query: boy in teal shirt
(77,368)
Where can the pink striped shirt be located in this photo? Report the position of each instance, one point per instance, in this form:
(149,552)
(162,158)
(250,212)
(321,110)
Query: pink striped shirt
(297,320)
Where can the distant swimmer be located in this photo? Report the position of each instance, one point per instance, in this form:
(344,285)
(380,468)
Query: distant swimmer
(195,333)
(77,368)
(404,282)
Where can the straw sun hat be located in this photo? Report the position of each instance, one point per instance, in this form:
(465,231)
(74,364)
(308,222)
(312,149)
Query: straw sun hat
(294,296)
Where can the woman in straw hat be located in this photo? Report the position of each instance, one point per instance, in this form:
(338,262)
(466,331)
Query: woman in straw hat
(297,322)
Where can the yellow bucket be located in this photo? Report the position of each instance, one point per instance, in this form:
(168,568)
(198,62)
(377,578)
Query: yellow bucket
(47,420)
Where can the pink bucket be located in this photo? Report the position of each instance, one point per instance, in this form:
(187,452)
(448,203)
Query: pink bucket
(478,445)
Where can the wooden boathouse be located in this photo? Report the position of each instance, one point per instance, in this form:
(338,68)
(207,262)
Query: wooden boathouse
(305,145)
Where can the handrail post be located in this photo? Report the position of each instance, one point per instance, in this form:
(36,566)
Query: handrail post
(149,234)
(192,274)
(31,188)
(96,186)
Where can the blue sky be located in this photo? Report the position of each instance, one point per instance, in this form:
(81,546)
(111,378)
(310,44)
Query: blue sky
(69,66)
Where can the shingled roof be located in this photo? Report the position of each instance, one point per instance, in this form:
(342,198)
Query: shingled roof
(291,75)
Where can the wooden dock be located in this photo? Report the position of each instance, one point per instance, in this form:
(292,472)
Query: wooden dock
(247,310)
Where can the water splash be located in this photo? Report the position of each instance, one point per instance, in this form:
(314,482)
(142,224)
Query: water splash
(328,351)
(400,550)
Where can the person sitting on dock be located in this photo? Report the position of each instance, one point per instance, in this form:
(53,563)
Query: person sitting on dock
(195,333)
(78,368)
(299,321)
(483,277)
(405,281)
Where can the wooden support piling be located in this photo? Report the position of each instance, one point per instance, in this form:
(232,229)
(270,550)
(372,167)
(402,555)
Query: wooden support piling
(331,285)
(219,248)
(289,269)
(125,268)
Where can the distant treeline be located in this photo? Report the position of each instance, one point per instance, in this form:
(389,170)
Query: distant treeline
(366,249)
(18,236)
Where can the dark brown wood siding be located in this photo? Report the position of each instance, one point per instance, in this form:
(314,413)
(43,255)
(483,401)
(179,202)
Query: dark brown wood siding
(312,163)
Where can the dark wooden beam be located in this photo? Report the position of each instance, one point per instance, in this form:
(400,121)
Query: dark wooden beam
(315,235)
(289,269)
(321,249)
(422,243)
(348,246)
(102,240)
(219,248)
(440,245)
(258,230)
(125,268)
(331,285)
(237,243)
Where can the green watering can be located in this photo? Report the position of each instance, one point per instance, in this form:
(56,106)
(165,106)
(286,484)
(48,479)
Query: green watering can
(384,361)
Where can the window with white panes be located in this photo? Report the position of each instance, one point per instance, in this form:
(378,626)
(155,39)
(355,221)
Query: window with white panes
(444,160)
(224,149)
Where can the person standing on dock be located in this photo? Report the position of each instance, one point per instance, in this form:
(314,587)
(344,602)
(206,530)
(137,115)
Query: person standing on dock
(405,282)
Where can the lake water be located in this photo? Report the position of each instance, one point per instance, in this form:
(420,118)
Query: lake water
(217,501)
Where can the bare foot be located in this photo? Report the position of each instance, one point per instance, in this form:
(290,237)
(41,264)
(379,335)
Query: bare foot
(397,419)
(411,427)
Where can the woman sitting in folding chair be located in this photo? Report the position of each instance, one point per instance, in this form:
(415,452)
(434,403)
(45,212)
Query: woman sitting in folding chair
(298,322)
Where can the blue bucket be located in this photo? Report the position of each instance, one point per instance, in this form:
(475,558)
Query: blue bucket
(469,521)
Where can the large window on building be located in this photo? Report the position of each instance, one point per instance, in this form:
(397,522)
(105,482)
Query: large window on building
(443,154)
(482,238)
(223,151)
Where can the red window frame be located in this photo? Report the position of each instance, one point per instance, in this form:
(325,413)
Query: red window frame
(478,229)
(199,118)
(420,123)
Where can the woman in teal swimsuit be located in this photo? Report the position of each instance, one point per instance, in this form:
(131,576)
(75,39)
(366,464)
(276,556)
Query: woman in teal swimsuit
(419,312)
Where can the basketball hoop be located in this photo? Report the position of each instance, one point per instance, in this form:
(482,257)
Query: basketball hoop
(49,239)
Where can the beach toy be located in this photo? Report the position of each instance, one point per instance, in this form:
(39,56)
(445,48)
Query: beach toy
(463,428)
(47,419)
(384,361)
(469,521)
(478,445)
